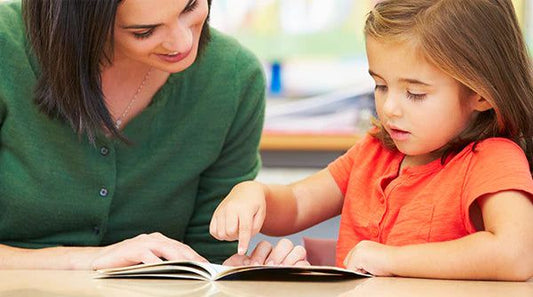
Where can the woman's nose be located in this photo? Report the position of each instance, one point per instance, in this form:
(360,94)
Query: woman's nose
(179,38)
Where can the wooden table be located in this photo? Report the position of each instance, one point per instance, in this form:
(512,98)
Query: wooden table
(44,283)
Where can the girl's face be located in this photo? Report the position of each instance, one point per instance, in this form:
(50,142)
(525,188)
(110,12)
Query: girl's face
(421,107)
(163,34)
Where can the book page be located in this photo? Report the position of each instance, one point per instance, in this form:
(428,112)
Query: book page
(168,269)
(286,272)
(210,271)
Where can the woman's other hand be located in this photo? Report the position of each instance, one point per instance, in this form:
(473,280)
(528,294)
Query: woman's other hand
(145,248)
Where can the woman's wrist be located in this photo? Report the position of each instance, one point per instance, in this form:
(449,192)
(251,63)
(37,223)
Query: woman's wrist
(81,258)
(47,258)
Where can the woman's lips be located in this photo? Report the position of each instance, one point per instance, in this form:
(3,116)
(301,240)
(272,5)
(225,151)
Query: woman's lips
(174,58)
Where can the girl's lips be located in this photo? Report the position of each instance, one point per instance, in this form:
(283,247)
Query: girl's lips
(398,134)
(174,58)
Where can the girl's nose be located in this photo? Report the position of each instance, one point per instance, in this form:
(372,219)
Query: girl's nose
(392,106)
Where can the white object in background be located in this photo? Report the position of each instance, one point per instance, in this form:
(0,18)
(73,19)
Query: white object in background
(310,16)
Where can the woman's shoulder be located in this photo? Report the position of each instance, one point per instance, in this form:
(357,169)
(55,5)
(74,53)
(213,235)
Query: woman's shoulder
(12,32)
(227,53)
(11,24)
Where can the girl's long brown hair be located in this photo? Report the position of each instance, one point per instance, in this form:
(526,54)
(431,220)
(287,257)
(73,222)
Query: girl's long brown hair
(477,42)
(69,39)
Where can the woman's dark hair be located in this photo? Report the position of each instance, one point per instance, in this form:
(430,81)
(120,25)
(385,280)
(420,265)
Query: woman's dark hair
(69,39)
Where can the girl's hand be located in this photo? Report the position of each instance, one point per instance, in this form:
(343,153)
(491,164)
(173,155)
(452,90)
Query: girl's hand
(145,248)
(285,253)
(240,215)
(370,257)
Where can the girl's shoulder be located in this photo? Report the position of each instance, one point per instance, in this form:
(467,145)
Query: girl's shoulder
(370,145)
(495,146)
(495,155)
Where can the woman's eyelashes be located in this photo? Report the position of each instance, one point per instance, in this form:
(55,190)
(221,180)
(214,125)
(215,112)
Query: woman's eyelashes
(144,34)
(147,33)
(192,6)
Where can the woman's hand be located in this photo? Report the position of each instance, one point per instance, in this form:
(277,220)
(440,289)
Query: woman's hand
(285,253)
(369,257)
(145,248)
(240,215)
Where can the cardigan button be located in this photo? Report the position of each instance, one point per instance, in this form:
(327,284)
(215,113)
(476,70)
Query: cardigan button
(96,230)
(104,151)
(103,192)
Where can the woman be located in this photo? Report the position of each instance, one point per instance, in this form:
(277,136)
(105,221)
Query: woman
(120,123)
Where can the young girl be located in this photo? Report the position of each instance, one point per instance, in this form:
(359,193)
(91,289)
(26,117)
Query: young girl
(442,186)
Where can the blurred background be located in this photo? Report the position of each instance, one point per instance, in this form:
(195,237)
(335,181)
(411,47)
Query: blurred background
(309,39)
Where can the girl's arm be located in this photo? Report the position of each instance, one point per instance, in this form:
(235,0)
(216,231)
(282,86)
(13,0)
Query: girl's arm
(503,251)
(275,209)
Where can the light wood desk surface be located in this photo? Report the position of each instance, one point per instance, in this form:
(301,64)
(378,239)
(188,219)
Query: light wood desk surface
(44,283)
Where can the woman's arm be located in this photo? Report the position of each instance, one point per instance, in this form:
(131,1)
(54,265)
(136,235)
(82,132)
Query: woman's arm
(503,251)
(145,248)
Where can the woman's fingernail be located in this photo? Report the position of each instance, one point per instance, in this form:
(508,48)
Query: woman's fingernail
(270,263)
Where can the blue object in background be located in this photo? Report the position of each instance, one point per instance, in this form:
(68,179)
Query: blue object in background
(275,79)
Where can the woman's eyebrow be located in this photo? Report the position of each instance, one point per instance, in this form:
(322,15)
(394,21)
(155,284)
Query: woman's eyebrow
(149,26)
(141,26)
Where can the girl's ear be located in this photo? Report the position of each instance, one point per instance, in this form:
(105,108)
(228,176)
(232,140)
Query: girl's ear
(479,103)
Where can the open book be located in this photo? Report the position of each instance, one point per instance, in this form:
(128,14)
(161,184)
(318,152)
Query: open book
(209,271)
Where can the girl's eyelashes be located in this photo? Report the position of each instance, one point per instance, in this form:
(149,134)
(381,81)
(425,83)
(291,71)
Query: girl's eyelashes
(380,88)
(409,95)
(144,34)
(415,97)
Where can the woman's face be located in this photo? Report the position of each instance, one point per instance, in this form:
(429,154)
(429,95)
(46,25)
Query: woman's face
(163,34)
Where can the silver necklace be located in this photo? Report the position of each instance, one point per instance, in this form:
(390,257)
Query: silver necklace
(118,120)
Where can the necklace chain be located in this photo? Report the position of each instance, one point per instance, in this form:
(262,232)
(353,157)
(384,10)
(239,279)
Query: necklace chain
(118,120)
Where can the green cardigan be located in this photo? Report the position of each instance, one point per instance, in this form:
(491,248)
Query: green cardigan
(195,141)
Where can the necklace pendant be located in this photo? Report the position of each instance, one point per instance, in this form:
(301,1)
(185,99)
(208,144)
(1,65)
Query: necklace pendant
(118,123)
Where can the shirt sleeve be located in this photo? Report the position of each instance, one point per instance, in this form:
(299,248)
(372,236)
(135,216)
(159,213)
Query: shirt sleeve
(341,168)
(497,165)
(238,161)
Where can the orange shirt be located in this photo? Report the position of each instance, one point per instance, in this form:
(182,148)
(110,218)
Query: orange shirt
(421,204)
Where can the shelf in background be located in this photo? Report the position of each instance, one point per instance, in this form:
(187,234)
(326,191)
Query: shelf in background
(307,142)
